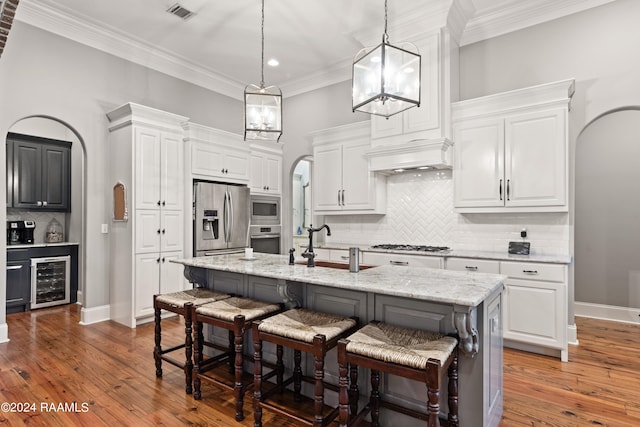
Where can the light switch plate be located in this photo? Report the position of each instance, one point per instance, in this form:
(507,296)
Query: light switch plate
(105,228)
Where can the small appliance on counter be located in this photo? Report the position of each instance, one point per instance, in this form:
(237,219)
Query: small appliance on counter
(20,232)
(54,233)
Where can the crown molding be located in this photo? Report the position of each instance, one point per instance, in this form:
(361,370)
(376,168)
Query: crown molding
(117,44)
(496,22)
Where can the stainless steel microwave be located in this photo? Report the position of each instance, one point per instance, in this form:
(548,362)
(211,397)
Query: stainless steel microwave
(265,210)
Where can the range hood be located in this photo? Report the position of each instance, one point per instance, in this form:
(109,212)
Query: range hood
(417,154)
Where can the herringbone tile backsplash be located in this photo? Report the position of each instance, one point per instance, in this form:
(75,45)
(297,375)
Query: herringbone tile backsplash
(420,211)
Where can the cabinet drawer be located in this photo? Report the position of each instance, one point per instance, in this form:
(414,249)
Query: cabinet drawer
(470,264)
(376,258)
(533,271)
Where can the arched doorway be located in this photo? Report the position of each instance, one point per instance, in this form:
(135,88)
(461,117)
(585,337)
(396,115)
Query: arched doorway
(73,222)
(607,214)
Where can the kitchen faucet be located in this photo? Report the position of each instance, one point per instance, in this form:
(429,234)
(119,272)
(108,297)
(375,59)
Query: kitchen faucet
(308,253)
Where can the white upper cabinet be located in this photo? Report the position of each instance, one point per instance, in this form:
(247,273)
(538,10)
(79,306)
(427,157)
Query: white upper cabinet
(438,82)
(342,182)
(265,175)
(511,151)
(217,155)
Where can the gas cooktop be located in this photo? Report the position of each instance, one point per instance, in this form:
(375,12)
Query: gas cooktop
(421,248)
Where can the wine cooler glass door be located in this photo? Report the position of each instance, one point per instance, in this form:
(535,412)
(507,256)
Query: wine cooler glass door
(50,281)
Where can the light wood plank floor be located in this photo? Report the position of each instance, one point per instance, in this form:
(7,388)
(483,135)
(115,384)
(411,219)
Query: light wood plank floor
(51,359)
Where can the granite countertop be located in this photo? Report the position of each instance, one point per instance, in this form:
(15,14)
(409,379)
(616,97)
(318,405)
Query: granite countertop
(40,245)
(499,256)
(442,286)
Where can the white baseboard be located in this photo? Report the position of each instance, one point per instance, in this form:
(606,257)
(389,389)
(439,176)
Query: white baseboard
(572,334)
(4,332)
(607,312)
(95,314)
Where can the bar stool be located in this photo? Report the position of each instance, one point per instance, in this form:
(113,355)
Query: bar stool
(180,303)
(409,353)
(302,330)
(236,315)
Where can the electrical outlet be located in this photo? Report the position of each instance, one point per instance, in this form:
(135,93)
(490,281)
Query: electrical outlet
(105,228)
(523,233)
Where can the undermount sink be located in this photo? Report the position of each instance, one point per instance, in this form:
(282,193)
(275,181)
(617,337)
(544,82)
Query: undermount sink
(333,264)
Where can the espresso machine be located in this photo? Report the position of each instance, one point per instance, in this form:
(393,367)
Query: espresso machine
(20,232)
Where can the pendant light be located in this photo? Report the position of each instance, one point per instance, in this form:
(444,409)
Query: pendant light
(386,80)
(262,107)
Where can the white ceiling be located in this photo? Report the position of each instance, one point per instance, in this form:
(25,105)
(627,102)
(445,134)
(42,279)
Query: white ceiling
(314,40)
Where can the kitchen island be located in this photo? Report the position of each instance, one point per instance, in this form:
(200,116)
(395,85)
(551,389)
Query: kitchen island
(439,300)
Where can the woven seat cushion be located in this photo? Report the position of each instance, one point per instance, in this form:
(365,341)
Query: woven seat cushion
(403,346)
(303,325)
(229,308)
(196,296)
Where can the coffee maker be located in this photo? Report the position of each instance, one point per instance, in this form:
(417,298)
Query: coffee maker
(20,232)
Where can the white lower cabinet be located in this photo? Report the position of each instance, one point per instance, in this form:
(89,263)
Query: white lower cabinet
(383,258)
(155,274)
(535,306)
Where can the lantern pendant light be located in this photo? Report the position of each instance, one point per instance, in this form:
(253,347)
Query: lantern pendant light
(386,79)
(262,107)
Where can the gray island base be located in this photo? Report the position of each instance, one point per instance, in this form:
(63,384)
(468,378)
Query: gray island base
(449,302)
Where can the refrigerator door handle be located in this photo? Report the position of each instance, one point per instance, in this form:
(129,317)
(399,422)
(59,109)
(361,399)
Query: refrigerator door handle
(226,217)
(230,215)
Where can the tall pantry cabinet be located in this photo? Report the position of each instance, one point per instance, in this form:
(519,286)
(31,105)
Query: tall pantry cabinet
(147,153)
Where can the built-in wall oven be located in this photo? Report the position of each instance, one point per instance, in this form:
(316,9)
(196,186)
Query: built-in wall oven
(265,210)
(265,238)
(50,281)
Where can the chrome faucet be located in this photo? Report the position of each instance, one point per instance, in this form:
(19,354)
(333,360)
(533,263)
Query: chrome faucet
(308,253)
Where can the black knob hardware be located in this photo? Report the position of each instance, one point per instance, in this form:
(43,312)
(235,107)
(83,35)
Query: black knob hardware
(163,231)
(164,203)
(158,231)
(158,202)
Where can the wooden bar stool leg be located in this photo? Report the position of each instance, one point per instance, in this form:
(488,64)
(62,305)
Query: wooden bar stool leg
(198,358)
(319,350)
(279,367)
(297,375)
(354,391)
(157,349)
(344,393)
(433,392)
(188,347)
(238,389)
(453,392)
(257,376)
(374,398)
(232,356)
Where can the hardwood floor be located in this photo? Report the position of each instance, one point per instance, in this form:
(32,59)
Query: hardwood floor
(108,370)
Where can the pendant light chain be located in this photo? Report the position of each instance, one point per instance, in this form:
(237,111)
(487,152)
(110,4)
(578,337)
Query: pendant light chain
(386,36)
(262,69)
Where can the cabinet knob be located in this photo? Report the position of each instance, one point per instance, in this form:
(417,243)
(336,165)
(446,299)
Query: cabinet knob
(162,259)
(163,231)
(158,231)
(158,260)
(44,203)
(158,202)
(39,203)
(164,203)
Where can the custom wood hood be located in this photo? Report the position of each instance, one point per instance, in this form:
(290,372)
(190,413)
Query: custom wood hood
(415,154)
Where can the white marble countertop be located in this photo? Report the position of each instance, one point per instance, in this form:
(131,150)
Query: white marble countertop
(500,256)
(442,286)
(40,245)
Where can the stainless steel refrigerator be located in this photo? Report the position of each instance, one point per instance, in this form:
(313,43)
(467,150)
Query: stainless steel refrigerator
(221,218)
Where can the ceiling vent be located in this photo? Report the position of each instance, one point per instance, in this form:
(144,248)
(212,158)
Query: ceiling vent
(180,11)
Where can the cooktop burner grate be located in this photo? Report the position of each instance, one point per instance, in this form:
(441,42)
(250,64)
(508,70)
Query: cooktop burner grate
(421,248)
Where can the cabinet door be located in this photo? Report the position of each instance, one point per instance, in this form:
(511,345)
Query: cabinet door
(478,163)
(536,159)
(18,285)
(27,175)
(148,157)
(327,183)
(171,231)
(147,283)
(493,384)
(206,160)
(535,312)
(148,231)
(56,181)
(473,265)
(271,173)
(256,175)
(9,173)
(171,274)
(236,165)
(171,172)
(358,190)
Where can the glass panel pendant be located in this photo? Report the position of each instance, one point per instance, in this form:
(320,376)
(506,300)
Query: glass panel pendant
(263,113)
(386,80)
